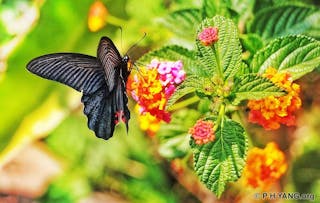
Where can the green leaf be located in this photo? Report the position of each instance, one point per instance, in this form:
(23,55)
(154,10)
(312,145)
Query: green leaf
(174,141)
(251,42)
(244,69)
(241,6)
(252,86)
(224,56)
(219,162)
(192,84)
(175,147)
(296,54)
(174,53)
(184,22)
(211,8)
(274,22)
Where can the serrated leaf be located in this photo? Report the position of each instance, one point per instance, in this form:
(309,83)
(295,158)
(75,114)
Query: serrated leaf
(222,161)
(255,87)
(251,42)
(279,21)
(211,8)
(224,56)
(175,53)
(295,54)
(190,85)
(244,69)
(241,6)
(184,22)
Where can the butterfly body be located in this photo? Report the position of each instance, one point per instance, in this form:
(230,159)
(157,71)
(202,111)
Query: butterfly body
(101,79)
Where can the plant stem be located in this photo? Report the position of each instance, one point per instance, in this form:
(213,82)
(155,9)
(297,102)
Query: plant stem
(184,103)
(220,117)
(217,55)
(115,21)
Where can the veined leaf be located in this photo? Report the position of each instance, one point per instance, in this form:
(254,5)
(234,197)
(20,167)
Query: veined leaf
(251,42)
(190,85)
(295,54)
(244,69)
(252,86)
(241,6)
(219,162)
(211,8)
(224,56)
(278,21)
(184,22)
(174,53)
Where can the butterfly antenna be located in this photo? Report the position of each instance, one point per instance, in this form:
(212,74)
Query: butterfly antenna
(121,37)
(135,44)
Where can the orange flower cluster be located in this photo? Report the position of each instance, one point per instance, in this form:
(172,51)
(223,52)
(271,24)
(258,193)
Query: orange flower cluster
(273,111)
(97,16)
(264,166)
(154,85)
(147,90)
(202,132)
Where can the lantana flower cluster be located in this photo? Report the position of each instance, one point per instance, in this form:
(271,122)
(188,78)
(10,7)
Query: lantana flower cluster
(264,166)
(202,132)
(148,123)
(273,111)
(153,85)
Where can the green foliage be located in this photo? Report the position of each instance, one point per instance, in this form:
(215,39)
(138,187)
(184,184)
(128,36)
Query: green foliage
(224,57)
(251,42)
(295,54)
(190,85)
(174,142)
(221,161)
(211,8)
(279,21)
(255,87)
(187,18)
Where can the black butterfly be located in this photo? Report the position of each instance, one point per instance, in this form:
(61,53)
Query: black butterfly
(102,81)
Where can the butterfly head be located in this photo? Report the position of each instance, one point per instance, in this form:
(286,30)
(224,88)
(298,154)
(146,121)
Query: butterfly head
(126,59)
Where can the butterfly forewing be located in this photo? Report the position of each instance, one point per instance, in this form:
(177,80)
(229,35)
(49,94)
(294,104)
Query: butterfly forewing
(81,72)
(110,59)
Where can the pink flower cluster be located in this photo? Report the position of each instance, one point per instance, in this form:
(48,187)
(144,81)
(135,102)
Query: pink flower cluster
(202,132)
(208,36)
(171,74)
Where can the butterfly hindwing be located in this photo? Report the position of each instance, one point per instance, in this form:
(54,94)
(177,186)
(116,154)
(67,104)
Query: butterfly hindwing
(99,110)
(81,72)
(104,110)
